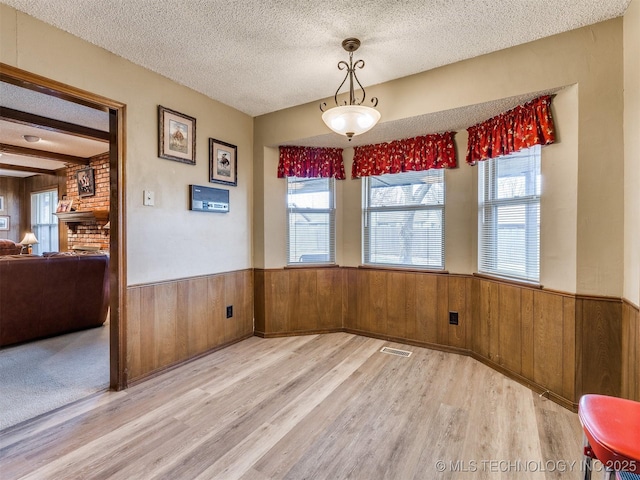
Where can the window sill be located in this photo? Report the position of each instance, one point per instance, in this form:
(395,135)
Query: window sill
(402,269)
(312,265)
(519,283)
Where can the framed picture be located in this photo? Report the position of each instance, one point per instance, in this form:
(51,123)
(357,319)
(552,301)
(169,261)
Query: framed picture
(176,136)
(64,205)
(223,162)
(4,222)
(86,182)
(1,203)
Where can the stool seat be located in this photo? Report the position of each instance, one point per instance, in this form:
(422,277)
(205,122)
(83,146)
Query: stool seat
(612,427)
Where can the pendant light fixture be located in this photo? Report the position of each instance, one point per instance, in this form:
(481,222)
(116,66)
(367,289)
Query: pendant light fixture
(351,118)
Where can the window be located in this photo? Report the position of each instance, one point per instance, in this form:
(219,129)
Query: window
(403,219)
(44,224)
(311,220)
(509,215)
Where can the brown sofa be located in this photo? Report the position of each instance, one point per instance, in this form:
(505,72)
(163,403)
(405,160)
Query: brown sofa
(9,247)
(46,296)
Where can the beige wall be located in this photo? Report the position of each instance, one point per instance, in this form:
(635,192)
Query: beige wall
(632,153)
(586,248)
(166,241)
(582,232)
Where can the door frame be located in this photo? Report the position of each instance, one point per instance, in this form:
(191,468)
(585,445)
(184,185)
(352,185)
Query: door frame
(117,233)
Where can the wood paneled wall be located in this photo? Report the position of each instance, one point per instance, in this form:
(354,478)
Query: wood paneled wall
(295,301)
(407,306)
(599,342)
(554,342)
(630,351)
(171,322)
(527,332)
(11,189)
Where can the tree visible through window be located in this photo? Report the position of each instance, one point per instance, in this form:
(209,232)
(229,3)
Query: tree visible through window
(403,219)
(509,215)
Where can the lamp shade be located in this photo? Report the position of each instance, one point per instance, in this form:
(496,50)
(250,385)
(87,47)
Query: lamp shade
(351,120)
(29,239)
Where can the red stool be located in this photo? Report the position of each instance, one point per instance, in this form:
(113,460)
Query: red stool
(612,435)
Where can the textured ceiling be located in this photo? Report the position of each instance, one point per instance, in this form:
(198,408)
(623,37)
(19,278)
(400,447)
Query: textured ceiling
(263,56)
(30,101)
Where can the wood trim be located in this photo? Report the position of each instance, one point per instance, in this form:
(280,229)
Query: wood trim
(170,322)
(117,264)
(52,124)
(630,387)
(314,266)
(296,333)
(408,341)
(597,298)
(536,334)
(19,168)
(402,269)
(34,152)
(184,279)
(38,83)
(539,389)
(507,281)
(630,304)
(173,366)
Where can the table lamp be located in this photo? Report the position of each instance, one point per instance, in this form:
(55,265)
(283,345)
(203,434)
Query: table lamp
(28,240)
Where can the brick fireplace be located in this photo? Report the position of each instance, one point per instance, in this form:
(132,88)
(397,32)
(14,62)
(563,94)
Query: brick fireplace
(91,233)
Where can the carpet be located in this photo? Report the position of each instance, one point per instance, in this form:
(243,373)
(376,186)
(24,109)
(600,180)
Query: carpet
(40,376)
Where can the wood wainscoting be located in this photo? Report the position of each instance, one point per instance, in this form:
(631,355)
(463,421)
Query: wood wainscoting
(298,301)
(630,351)
(562,344)
(174,321)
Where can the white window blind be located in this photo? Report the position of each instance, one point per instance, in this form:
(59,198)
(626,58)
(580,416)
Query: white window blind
(44,224)
(311,220)
(509,215)
(403,219)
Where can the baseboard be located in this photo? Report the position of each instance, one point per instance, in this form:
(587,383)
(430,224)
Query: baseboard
(407,341)
(172,366)
(296,333)
(542,391)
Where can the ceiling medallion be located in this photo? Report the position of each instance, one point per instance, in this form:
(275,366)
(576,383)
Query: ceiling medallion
(351,118)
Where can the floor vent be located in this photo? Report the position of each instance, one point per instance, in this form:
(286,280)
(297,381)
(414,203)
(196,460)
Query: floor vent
(395,351)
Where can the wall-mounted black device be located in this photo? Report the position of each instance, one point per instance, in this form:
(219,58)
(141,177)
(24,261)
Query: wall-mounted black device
(207,199)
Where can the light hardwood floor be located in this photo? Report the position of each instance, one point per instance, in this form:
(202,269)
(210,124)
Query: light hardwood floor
(313,407)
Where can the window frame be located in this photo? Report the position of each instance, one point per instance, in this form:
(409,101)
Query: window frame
(53,226)
(330,211)
(488,206)
(368,210)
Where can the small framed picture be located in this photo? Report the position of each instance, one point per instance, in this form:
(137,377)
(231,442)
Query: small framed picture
(1,203)
(64,205)
(4,222)
(223,162)
(86,182)
(176,136)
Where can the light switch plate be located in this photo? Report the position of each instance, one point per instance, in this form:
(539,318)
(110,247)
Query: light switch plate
(149,198)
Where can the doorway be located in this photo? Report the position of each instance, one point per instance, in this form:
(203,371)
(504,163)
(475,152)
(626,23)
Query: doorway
(117,267)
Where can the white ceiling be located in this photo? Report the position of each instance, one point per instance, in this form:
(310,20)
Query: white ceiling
(29,101)
(263,56)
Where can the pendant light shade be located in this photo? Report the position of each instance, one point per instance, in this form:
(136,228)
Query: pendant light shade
(352,118)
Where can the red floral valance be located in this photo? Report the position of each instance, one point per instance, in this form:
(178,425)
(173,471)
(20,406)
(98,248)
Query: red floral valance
(411,154)
(523,127)
(309,162)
